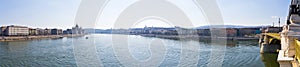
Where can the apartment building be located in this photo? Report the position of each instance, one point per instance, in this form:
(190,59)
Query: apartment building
(56,31)
(16,31)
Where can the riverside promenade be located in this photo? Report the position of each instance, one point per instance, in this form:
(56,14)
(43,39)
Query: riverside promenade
(37,37)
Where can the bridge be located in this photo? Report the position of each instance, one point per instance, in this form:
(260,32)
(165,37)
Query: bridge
(285,43)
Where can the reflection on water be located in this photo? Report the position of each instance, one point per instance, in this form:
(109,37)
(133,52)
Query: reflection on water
(99,50)
(36,53)
(270,60)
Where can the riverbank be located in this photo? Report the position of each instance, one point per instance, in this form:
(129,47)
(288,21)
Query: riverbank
(198,37)
(21,38)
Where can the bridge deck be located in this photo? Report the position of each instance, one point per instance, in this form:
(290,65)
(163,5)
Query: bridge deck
(274,35)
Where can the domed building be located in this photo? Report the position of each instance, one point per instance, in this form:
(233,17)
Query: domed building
(77,30)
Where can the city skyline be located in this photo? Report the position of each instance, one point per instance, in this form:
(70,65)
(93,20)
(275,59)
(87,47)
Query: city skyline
(61,14)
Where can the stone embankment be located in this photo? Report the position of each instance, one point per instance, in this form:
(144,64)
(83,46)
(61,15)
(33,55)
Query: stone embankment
(198,37)
(21,38)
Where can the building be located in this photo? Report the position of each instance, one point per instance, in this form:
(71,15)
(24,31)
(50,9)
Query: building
(16,31)
(25,31)
(271,30)
(231,32)
(33,31)
(135,30)
(65,32)
(77,30)
(68,31)
(203,32)
(2,29)
(184,31)
(56,31)
(248,31)
(40,31)
(74,30)
(47,31)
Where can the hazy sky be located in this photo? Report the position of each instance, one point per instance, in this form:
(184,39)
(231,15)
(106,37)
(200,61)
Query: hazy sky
(61,13)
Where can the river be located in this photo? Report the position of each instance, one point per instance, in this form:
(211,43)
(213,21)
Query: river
(113,50)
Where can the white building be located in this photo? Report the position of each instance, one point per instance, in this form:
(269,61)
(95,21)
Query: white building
(16,31)
(77,30)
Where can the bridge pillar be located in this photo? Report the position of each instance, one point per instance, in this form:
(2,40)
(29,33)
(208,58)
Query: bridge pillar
(264,44)
(267,47)
(283,60)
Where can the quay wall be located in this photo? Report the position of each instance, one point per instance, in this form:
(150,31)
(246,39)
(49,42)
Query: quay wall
(20,38)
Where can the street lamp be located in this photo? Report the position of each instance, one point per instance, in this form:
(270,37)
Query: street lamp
(279,22)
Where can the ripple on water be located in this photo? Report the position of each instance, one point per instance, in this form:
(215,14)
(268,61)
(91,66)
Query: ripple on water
(59,52)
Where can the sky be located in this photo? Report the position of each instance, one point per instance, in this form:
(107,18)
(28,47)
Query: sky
(62,13)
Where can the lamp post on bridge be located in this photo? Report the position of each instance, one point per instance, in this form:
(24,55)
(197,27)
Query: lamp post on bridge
(279,22)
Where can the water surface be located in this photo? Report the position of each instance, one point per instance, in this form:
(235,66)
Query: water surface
(105,50)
